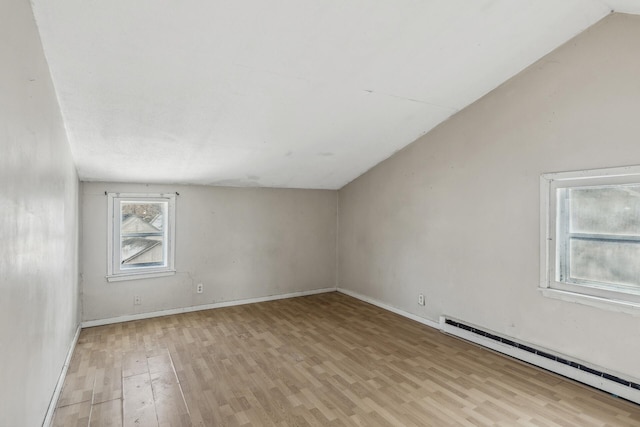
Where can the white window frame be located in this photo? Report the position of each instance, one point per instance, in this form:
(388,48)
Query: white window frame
(114,272)
(593,294)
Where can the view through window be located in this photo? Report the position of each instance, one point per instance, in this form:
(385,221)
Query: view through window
(598,235)
(590,236)
(141,235)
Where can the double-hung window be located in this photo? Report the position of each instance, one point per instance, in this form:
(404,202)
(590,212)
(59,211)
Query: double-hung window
(591,237)
(141,235)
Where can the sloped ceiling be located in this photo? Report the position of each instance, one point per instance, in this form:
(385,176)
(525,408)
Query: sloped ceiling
(286,93)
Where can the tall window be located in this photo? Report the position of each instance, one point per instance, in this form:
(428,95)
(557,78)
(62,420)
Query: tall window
(591,233)
(141,235)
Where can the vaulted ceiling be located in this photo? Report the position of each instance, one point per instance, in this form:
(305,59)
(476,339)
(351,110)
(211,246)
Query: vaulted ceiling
(281,93)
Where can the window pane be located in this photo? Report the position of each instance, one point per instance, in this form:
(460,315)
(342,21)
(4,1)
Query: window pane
(605,210)
(142,234)
(605,262)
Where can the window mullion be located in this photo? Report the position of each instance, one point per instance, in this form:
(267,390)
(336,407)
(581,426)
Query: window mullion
(605,237)
(562,239)
(593,217)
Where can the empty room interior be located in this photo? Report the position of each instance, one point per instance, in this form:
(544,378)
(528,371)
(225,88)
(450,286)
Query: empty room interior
(304,213)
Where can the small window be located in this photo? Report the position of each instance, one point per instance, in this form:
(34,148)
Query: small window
(591,234)
(141,235)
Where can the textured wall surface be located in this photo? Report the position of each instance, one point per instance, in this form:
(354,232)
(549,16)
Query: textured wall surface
(239,243)
(39,309)
(456,214)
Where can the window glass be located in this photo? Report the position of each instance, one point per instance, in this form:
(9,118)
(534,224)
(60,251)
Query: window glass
(605,210)
(605,261)
(142,234)
(598,235)
(590,237)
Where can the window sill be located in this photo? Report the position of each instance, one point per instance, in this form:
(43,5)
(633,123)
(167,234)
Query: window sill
(627,307)
(136,276)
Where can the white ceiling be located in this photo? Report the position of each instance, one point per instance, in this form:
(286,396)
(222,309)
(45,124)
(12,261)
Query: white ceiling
(281,93)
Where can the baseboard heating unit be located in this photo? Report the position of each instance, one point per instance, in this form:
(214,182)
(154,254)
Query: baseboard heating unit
(622,387)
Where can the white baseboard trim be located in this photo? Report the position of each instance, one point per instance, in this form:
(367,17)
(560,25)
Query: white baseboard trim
(63,374)
(545,363)
(151,314)
(542,362)
(387,307)
(600,383)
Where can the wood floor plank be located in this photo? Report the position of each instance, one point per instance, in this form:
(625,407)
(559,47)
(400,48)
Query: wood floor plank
(134,363)
(160,363)
(106,414)
(74,415)
(169,401)
(78,386)
(138,403)
(323,360)
(108,384)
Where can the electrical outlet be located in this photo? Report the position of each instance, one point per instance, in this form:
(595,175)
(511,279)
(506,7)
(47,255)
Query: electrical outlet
(137,300)
(421,299)
(199,288)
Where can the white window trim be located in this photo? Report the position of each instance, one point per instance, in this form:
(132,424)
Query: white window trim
(607,300)
(116,275)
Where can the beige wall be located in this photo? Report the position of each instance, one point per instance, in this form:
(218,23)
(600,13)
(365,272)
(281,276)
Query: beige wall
(39,309)
(240,243)
(456,214)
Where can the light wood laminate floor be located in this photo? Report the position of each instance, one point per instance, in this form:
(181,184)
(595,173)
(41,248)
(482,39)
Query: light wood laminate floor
(326,359)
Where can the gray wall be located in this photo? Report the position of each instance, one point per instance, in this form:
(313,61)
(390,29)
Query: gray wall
(39,226)
(240,243)
(456,214)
